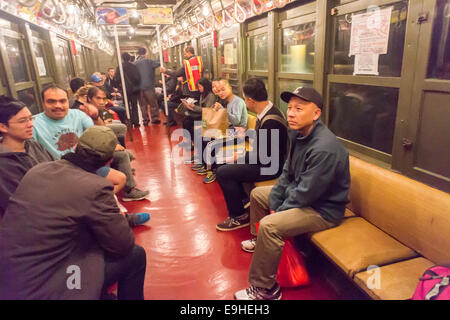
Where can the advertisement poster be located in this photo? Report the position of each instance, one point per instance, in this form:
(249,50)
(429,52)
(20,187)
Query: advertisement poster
(112,16)
(370,32)
(156,16)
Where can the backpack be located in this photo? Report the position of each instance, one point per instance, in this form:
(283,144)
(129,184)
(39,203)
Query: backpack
(434,284)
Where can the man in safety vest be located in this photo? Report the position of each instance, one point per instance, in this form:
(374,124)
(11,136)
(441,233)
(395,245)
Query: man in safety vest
(191,71)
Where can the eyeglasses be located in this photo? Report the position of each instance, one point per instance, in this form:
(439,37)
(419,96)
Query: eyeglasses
(23,120)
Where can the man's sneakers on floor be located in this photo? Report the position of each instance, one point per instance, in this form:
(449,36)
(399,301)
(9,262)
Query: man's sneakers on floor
(256,293)
(210,177)
(249,245)
(134,195)
(197,167)
(138,219)
(202,171)
(231,224)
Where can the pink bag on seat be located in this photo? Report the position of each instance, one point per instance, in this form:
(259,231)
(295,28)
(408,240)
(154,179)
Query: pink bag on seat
(434,284)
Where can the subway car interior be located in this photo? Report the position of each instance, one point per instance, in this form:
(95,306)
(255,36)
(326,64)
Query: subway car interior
(113,188)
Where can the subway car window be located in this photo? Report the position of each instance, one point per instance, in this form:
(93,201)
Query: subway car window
(364,114)
(229,56)
(41,59)
(439,63)
(390,64)
(297,55)
(16,58)
(259,50)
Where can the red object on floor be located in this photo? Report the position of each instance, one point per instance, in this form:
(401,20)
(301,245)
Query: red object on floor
(187,258)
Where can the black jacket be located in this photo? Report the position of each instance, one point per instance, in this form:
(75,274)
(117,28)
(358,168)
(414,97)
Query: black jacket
(316,174)
(263,147)
(132,78)
(14,165)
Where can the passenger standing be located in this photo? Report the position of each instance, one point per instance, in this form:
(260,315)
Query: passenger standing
(132,79)
(61,242)
(191,71)
(310,194)
(146,69)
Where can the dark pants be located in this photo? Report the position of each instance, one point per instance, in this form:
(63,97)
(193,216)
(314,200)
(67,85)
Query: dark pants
(129,273)
(171,106)
(121,113)
(188,124)
(134,112)
(231,177)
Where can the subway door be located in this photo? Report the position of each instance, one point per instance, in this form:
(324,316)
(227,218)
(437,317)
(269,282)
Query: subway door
(205,50)
(257,51)
(230,66)
(17,79)
(63,58)
(424,143)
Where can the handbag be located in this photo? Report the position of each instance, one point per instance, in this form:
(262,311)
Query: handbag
(214,123)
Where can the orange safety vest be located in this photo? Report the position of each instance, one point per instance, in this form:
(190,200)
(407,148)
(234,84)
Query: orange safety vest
(194,69)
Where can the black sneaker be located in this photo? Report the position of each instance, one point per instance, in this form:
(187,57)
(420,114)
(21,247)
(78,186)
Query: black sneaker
(256,293)
(231,224)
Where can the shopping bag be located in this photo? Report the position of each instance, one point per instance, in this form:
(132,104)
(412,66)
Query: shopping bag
(292,269)
(214,123)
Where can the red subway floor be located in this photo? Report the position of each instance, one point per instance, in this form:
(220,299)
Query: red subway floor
(187,258)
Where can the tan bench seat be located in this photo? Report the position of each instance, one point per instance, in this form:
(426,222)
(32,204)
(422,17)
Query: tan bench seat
(398,281)
(356,244)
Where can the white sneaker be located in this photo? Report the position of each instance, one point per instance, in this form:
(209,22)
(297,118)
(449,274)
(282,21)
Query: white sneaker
(256,293)
(249,245)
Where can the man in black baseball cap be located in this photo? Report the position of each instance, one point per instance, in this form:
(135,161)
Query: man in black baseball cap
(310,194)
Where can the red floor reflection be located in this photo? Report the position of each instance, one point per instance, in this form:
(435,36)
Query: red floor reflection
(187,258)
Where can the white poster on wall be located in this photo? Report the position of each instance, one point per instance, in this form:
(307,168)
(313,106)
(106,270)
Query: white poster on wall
(366,64)
(228,53)
(370,32)
(41,66)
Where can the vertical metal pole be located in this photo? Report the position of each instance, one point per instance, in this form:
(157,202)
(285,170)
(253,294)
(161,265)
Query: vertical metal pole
(161,62)
(122,79)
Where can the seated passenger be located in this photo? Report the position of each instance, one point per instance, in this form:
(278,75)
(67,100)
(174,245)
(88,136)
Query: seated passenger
(97,97)
(75,84)
(61,242)
(237,112)
(173,102)
(310,194)
(58,129)
(237,118)
(271,129)
(98,80)
(194,111)
(19,153)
